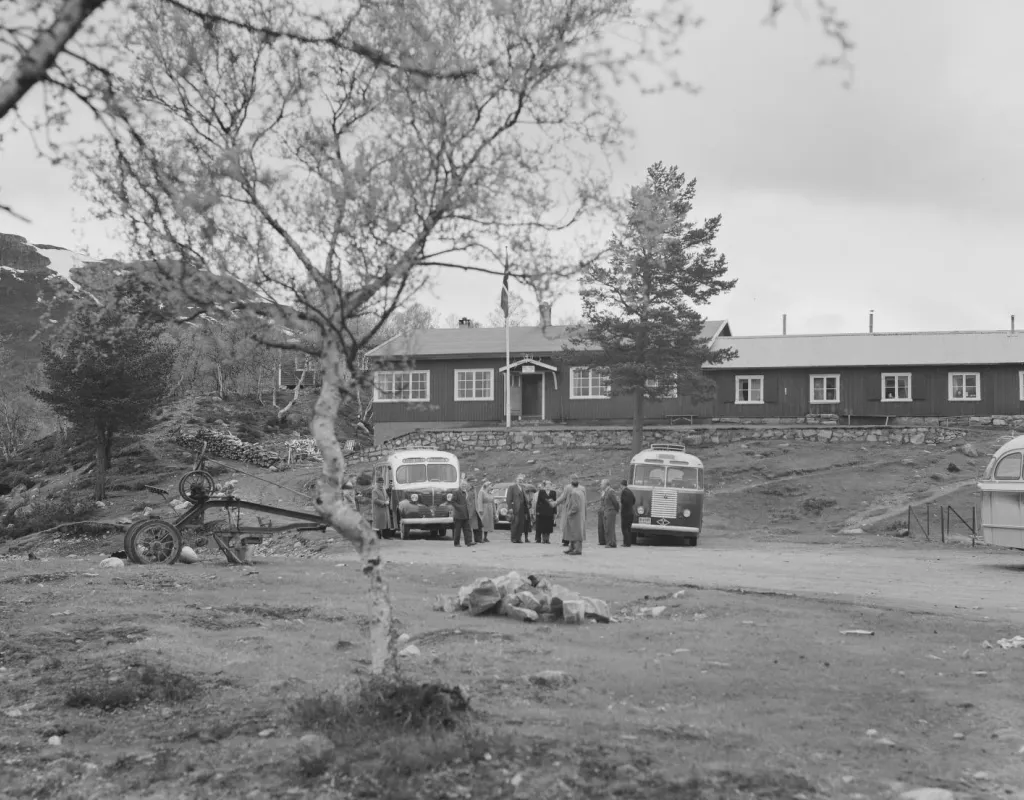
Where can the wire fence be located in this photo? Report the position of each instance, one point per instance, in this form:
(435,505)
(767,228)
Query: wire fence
(942,522)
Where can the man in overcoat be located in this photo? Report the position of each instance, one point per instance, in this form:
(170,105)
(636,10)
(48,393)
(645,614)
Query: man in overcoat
(627,502)
(518,509)
(575,504)
(381,518)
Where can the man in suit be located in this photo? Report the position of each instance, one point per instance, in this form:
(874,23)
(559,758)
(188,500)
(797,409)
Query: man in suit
(460,515)
(627,501)
(518,509)
(609,511)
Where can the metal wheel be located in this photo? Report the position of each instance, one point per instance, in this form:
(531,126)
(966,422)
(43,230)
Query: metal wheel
(154,541)
(195,486)
(128,539)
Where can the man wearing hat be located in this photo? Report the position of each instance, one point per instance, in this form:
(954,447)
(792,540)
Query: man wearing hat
(575,526)
(518,509)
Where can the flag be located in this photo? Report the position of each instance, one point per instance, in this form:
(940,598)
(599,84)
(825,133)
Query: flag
(504,290)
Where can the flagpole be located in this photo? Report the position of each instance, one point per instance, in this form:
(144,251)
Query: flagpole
(508,358)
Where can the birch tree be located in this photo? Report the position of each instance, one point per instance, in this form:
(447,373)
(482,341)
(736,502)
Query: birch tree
(337,186)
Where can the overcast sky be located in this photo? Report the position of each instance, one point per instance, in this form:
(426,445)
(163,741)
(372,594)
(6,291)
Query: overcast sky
(902,193)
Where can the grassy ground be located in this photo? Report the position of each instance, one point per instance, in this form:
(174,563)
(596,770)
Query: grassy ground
(200,682)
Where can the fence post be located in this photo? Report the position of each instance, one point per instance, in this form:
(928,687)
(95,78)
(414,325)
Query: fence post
(910,531)
(928,522)
(943,522)
(974,525)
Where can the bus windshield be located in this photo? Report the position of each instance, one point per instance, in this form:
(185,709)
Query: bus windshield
(678,476)
(425,473)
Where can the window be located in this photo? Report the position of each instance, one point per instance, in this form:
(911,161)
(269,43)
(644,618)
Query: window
(396,387)
(474,384)
(306,362)
(585,384)
(750,388)
(964,386)
(679,477)
(824,388)
(425,473)
(1008,468)
(895,387)
(1020,382)
(672,391)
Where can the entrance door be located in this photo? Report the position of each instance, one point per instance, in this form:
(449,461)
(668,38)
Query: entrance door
(532,401)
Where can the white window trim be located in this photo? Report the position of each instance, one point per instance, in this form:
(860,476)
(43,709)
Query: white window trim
(458,399)
(376,391)
(572,386)
(826,402)
(1020,384)
(910,387)
(977,386)
(736,395)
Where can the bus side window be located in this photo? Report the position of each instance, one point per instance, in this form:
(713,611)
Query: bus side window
(1008,468)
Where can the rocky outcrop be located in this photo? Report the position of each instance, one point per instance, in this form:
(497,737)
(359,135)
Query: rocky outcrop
(227,445)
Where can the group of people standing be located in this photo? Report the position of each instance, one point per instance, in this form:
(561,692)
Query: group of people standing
(530,510)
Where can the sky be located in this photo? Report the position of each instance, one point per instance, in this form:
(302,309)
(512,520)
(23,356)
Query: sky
(900,194)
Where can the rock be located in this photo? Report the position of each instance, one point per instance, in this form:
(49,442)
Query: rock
(54,740)
(483,598)
(573,611)
(655,611)
(521,614)
(626,772)
(969,450)
(528,600)
(680,593)
(928,794)
(907,461)
(315,752)
(147,512)
(559,594)
(266,733)
(402,639)
(551,678)
(466,591)
(112,562)
(409,650)
(511,583)
(447,604)
(999,423)
(188,556)
(917,438)
(596,609)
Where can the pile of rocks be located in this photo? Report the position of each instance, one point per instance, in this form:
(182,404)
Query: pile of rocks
(527,599)
(226,444)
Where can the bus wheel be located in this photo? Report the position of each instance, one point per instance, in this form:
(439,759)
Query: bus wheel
(690,541)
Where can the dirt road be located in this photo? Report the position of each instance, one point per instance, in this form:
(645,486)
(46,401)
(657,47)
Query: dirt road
(950,579)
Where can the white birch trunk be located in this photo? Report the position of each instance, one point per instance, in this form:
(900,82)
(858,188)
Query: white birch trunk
(345,518)
(295,396)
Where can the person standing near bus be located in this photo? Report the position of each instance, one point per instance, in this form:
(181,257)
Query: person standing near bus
(381,518)
(609,511)
(518,509)
(627,502)
(460,515)
(545,512)
(575,529)
(485,510)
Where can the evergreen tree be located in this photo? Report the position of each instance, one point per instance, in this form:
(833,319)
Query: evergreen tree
(640,304)
(107,370)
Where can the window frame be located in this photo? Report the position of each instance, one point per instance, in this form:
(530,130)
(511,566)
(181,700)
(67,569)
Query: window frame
(591,372)
(910,387)
(1020,384)
(999,463)
(825,376)
(672,394)
(377,398)
(736,392)
(965,399)
(489,398)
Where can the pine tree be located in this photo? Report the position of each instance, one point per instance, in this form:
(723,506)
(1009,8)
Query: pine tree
(640,304)
(107,370)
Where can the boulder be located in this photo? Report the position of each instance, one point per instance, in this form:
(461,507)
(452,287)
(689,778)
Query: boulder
(511,583)
(551,678)
(521,614)
(573,611)
(188,555)
(596,609)
(527,600)
(656,611)
(447,604)
(559,594)
(115,563)
(483,598)
(314,753)
(409,650)
(969,450)
(466,591)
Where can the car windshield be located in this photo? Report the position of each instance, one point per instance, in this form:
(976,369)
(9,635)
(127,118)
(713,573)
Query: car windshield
(499,490)
(678,476)
(425,473)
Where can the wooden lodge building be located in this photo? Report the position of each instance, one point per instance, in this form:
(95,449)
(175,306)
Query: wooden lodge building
(450,378)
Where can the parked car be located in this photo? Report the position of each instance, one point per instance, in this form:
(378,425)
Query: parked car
(502,519)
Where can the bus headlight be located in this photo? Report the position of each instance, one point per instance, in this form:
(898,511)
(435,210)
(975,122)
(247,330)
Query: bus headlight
(640,510)
(449,495)
(414,497)
(686,512)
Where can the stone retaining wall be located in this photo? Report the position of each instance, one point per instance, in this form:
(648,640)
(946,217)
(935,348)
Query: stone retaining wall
(464,439)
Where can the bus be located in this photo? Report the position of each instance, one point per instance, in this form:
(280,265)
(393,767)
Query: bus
(419,484)
(1002,497)
(668,484)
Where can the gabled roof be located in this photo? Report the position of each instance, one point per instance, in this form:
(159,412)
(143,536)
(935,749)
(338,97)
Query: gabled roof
(953,348)
(486,342)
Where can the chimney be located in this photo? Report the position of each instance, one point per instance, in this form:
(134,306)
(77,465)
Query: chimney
(871,321)
(783,324)
(545,315)
(465,322)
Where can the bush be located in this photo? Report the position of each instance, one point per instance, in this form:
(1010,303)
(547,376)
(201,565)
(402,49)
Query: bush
(816,505)
(141,683)
(45,514)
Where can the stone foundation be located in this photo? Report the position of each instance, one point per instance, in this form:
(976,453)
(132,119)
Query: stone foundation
(620,438)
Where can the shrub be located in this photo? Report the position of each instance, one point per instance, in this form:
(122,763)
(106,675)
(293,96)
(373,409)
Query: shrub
(46,513)
(816,505)
(141,683)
